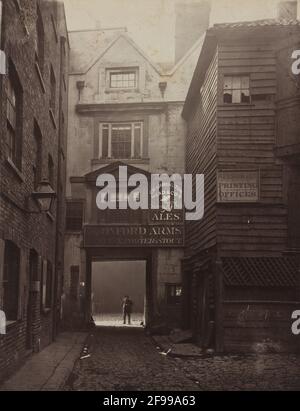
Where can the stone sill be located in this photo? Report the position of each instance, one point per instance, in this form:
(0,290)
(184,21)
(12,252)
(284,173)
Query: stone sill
(122,90)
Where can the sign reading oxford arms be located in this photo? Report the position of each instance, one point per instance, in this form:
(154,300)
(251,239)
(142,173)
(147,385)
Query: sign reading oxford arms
(164,228)
(134,235)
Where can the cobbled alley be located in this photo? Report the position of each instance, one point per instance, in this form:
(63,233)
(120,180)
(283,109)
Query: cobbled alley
(126,359)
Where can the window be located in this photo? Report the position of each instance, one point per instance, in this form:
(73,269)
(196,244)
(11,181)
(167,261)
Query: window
(51,171)
(37,156)
(46,285)
(74,216)
(123,79)
(11,281)
(173,293)
(121,141)
(236,89)
(40,41)
(52,102)
(14,117)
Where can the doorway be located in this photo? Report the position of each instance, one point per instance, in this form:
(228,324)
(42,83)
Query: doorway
(112,280)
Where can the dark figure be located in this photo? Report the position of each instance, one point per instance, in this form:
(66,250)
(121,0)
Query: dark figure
(127,309)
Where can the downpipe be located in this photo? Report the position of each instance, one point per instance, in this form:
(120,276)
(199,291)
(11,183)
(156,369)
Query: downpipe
(2,54)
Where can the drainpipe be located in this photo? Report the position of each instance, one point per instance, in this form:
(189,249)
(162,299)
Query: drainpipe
(2,54)
(1,6)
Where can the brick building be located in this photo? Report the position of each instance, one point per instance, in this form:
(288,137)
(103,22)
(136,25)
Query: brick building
(125,109)
(241,269)
(33,126)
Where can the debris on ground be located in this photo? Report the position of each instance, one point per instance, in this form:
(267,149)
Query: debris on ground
(85,356)
(179,344)
(166,352)
(85,353)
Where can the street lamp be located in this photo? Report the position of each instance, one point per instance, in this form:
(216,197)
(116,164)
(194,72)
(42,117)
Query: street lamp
(44,195)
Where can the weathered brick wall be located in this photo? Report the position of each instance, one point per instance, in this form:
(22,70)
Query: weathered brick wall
(32,231)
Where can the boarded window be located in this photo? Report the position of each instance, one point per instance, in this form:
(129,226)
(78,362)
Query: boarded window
(236,89)
(74,216)
(11,280)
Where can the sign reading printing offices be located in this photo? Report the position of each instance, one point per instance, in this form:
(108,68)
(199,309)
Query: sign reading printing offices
(237,186)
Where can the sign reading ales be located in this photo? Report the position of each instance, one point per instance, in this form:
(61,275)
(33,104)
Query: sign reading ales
(133,235)
(238,186)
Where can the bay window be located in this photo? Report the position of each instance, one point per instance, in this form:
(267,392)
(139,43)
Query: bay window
(121,140)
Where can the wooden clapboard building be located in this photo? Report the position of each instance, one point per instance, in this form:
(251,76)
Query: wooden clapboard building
(241,267)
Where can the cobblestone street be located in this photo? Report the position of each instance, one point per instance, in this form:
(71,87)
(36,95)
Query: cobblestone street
(125,359)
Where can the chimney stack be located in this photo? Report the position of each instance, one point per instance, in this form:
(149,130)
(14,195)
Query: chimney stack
(192,20)
(287,10)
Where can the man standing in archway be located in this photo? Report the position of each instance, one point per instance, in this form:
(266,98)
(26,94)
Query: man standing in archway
(127,309)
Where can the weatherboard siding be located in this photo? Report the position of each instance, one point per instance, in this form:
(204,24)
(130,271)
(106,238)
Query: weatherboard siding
(201,158)
(246,140)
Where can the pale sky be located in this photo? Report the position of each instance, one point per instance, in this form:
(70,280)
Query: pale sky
(151,23)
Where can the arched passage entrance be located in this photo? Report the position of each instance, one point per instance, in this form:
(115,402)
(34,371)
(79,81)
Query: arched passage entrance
(111,282)
(127,258)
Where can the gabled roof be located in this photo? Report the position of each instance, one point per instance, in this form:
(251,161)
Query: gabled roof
(258,23)
(196,46)
(217,32)
(113,169)
(89,46)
